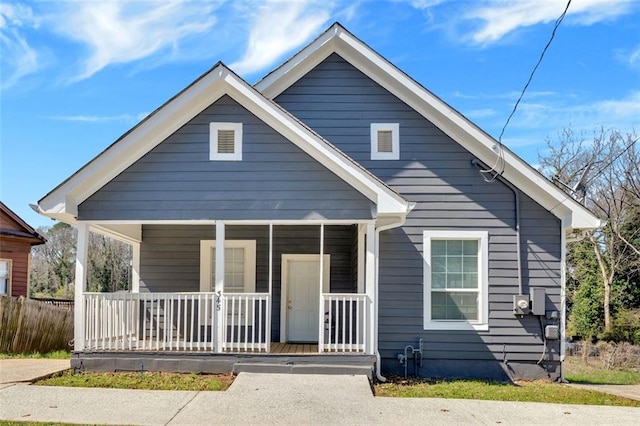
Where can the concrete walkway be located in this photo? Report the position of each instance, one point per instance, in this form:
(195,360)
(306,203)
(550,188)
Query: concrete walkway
(27,370)
(284,399)
(625,391)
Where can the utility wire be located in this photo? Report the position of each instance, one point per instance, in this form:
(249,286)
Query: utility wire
(500,159)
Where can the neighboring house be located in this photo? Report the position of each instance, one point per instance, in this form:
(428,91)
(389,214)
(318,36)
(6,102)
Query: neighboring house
(16,240)
(354,218)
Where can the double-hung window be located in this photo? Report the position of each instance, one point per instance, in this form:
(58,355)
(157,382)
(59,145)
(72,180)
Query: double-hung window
(455,280)
(239,266)
(5,277)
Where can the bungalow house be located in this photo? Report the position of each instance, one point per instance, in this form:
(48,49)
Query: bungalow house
(361,223)
(16,239)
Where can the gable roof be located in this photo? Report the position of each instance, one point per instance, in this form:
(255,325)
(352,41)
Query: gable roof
(62,202)
(338,40)
(20,228)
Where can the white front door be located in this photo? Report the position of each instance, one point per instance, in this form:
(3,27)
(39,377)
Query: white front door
(301,296)
(304,297)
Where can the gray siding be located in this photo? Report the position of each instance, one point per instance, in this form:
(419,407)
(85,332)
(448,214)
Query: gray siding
(340,103)
(177,181)
(170,256)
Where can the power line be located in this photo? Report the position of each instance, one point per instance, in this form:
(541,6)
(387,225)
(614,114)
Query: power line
(500,162)
(553,34)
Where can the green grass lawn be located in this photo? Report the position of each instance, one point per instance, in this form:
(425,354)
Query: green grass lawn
(576,371)
(141,380)
(48,355)
(537,391)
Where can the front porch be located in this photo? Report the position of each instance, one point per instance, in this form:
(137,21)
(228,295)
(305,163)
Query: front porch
(274,289)
(182,322)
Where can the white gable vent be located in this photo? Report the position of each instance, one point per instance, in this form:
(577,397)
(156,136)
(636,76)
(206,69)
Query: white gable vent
(385,141)
(225,141)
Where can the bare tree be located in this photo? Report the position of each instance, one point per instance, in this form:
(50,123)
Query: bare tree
(603,174)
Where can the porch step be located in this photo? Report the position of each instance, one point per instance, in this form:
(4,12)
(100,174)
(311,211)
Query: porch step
(302,368)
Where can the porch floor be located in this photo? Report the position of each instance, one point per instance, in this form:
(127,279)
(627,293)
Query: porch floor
(294,348)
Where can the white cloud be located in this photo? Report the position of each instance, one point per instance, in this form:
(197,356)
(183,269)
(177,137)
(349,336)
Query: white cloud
(278,27)
(500,17)
(425,4)
(19,59)
(126,31)
(623,114)
(98,118)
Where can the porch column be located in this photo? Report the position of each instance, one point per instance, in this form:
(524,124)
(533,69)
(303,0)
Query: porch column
(370,273)
(320,300)
(219,285)
(80,286)
(362,229)
(135,268)
(270,300)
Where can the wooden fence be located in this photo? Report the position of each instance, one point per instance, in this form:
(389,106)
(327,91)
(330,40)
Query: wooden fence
(30,326)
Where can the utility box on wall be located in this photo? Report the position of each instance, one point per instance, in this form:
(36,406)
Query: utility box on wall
(538,301)
(521,304)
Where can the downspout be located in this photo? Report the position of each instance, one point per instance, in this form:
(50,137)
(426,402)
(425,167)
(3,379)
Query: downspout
(516,201)
(376,251)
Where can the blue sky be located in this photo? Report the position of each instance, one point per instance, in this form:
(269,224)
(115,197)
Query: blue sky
(75,75)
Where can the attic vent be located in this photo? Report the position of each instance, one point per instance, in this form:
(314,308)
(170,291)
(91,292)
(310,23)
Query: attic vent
(225,141)
(385,141)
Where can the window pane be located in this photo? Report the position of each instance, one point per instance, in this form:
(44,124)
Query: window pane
(454,247)
(470,264)
(454,264)
(470,247)
(438,248)
(454,280)
(438,280)
(439,264)
(470,280)
(233,269)
(454,306)
(4,277)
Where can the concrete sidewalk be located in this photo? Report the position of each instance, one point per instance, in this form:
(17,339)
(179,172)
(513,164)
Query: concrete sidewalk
(284,399)
(27,370)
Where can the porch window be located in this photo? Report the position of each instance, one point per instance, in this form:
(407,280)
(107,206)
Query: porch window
(225,141)
(455,280)
(385,141)
(5,277)
(239,266)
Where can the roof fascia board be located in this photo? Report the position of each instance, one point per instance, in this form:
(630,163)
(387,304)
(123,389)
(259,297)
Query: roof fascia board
(432,108)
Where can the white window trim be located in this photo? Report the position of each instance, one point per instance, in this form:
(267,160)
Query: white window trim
(206,247)
(9,263)
(482,324)
(236,155)
(394,128)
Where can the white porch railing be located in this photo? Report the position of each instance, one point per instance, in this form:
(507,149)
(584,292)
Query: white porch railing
(246,324)
(175,321)
(345,322)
